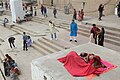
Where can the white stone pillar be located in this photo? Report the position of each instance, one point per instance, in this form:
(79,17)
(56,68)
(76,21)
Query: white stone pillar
(16,9)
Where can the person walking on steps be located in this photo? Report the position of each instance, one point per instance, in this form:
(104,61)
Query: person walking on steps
(101,9)
(25,38)
(54,12)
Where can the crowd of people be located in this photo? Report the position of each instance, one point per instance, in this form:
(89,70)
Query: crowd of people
(78,16)
(96,36)
(6,4)
(10,67)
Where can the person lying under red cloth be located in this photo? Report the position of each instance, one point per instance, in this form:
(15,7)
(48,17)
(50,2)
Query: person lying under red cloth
(83,64)
(93,59)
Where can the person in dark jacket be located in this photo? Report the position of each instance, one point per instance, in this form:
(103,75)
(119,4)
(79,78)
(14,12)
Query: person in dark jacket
(6,5)
(2,4)
(25,38)
(5,21)
(42,7)
(45,11)
(54,12)
(75,14)
(118,9)
(11,41)
(101,37)
(101,9)
(35,11)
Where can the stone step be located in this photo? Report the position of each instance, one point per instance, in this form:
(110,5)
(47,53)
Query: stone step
(50,45)
(107,36)
(54,43)
(43,47)
(20,26)
(109,28)
(50,48)
(109,32)
(110,36)
(39,21)
(39,48)
(111,41)
(20,31)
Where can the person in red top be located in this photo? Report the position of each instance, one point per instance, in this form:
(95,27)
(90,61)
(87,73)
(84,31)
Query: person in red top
(95,31)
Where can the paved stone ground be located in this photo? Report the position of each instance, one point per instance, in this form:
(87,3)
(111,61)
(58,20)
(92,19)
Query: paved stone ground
(24,58)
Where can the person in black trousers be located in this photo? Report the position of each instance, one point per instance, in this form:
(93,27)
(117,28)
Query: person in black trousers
(95,30)
(118,9)
(2,4)
(75,14)
(6,68)
(35,11)
(11,41)
(101,37)
(25,37)
(101,9)
(54,12)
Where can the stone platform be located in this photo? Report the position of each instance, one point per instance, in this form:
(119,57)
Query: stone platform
(48,68)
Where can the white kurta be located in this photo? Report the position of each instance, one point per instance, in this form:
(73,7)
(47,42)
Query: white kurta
(91,39)
(52,28)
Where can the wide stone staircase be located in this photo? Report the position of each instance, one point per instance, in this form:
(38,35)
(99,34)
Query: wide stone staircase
(46,46)
(19,29)
(112,35)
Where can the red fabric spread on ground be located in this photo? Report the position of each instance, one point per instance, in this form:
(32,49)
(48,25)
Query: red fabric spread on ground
(76,66)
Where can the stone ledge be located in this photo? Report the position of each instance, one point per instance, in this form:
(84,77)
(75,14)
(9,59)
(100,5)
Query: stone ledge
(49,67)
